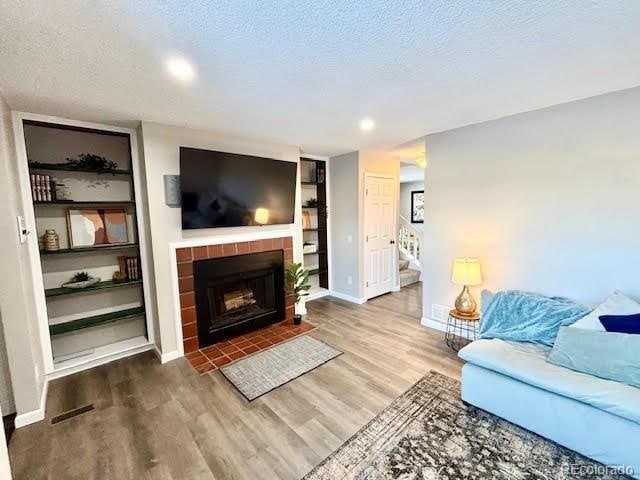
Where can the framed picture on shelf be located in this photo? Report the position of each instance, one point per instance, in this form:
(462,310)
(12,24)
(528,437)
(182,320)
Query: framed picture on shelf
(417,206)
(95,227)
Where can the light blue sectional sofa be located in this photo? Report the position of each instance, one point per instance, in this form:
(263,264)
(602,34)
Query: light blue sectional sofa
(598,418)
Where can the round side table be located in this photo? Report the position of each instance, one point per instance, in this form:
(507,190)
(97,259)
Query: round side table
(461,329)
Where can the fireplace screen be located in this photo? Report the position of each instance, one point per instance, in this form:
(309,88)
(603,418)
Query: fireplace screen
(238,294)
(236,300)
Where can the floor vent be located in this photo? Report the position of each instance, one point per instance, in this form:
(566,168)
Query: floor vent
(71,413)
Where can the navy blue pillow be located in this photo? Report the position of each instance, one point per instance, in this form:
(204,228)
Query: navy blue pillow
(621,323)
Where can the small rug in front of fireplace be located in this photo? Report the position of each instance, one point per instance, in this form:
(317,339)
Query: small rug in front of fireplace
(265,371)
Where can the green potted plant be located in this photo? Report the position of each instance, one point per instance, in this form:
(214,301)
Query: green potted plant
(297,285)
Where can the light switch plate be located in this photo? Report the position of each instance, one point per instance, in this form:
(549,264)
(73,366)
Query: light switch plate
(22,229)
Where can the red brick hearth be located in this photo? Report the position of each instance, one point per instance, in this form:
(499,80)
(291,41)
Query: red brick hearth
(220,354)
(217,355)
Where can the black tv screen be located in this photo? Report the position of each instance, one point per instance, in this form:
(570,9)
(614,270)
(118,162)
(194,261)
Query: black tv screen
(222,189)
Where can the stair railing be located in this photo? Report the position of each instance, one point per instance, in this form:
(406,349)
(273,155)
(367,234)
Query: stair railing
(410,240)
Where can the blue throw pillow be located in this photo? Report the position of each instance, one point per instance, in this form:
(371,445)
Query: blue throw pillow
(613,356)
(621,323)
(528,317)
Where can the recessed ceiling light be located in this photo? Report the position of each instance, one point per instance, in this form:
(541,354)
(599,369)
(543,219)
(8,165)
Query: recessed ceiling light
(367,124)
(181,69)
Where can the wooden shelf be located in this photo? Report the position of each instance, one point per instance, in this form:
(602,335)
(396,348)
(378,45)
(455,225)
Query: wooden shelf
(313,174)
(66,168)
(72,202)
(56,292)
(96,320)
(67,251)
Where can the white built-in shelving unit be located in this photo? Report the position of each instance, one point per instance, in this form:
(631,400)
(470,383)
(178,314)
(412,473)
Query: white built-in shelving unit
(79,329)
(313,174)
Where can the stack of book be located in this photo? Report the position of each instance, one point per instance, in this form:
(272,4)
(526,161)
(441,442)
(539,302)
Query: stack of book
(43,188)
(129,268)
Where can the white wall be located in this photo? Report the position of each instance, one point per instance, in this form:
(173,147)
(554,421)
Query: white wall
(17,303)
(548,200)
(161,144)
(347,216)
(405,200)
(5,466)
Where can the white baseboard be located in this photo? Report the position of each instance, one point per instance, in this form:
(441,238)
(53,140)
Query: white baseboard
(323,292)
(428,322)
(167,357)
(102,355)
(347,298)
(27,418)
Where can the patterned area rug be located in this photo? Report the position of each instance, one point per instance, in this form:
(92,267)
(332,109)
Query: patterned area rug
(260,373)
(429,433)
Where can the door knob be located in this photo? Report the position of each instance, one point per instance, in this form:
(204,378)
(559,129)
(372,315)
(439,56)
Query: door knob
(392,242)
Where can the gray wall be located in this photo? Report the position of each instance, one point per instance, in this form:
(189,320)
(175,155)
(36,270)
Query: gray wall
(343,184)
(405,200)
(548,200)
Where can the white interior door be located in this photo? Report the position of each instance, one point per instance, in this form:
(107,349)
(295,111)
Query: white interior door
(379,234)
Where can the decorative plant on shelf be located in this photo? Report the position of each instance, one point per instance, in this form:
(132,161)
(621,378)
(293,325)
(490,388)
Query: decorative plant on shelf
(89,161)
(80,277)
(297,285)
(81,280)
(311,203)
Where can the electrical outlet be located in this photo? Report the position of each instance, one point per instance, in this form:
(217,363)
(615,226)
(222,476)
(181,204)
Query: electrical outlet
(439,313)
(349,280)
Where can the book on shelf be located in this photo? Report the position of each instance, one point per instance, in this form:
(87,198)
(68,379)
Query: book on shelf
(129,268)
(43,188)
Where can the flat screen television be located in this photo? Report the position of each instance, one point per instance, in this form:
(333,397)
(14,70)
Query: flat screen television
(221,189)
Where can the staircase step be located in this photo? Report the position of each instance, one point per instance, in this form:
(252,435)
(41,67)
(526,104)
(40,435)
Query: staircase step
(409,276)
(403,264)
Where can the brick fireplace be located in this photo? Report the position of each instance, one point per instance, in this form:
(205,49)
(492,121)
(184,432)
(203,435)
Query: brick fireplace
(185,258)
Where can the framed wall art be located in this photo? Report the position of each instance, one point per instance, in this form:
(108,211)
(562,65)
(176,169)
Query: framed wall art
(95,227)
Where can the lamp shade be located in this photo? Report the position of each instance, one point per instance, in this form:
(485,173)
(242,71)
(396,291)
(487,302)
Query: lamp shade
(466,271)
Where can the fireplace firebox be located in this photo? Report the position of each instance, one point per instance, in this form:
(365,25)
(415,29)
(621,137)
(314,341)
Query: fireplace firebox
(238,294)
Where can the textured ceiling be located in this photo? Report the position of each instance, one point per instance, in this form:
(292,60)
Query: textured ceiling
(305,73)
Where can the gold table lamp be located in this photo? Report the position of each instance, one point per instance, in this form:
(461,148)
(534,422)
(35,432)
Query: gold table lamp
(466,272)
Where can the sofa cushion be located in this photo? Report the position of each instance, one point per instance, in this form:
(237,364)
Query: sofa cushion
(615,304)
(610,355)
(527,362)
(621,323)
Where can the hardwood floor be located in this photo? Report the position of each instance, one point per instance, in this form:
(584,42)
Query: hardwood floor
(155,421)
